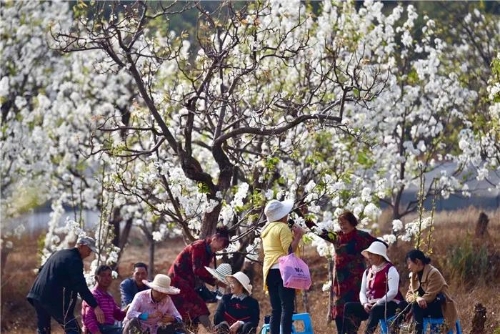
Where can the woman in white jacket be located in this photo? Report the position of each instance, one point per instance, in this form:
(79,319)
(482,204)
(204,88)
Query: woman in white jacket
(379,296)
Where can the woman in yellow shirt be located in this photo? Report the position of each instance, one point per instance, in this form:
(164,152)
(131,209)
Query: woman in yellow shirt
(277,238)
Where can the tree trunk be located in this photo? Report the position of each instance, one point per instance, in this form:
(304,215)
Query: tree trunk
(151,257)
(478,319)
(305,301)
(331,276)
(123,240)
(5,253)
(482,226)
(115,222)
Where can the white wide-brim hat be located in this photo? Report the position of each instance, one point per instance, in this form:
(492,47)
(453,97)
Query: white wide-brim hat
(377,247)
(161,283)
(244,281)
(276,210)
(220,273)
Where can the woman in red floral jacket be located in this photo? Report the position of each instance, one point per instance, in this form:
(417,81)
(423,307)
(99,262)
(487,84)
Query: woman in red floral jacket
(188,270)
(349,262)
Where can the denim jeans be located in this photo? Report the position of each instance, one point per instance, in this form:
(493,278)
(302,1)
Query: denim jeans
(282,303)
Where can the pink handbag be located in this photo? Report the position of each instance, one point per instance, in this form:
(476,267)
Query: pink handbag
(294,272)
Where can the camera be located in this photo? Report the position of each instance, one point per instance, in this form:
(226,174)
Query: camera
(290,223)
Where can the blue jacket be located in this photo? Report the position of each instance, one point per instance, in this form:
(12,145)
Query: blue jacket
(128,289)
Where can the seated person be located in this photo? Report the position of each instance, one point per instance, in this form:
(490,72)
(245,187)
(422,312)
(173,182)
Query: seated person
(132,285)
(379,295)
(237,312)
(428,292)
(153,311)
(107,304)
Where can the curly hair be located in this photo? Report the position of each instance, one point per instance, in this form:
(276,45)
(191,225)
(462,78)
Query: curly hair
(349,217)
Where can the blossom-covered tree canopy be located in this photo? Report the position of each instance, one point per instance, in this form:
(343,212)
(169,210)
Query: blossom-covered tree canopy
(105,105)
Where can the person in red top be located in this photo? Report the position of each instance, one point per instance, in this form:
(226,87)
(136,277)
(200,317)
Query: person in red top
(106,302)
(188,272)
(349,263)
(379,297)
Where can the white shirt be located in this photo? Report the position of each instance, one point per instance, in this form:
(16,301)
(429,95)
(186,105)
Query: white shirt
(393,287)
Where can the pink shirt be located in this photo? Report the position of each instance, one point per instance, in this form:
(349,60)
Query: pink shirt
(143,303)
(108,306)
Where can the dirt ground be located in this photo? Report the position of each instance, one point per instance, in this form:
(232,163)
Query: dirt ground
(17,315)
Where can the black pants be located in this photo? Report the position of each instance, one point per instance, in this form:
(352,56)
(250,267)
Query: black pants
(246,328)
(134,327)
(110,329)
(65,318)
(354,313)
(432,310)
(282,303)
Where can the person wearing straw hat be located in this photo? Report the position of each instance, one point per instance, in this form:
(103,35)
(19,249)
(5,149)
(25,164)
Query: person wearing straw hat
(277,238)
(220,273)
(188,271)
(379,296)
(237,312)
(153,311)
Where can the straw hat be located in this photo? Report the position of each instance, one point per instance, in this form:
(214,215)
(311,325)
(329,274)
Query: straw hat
(161,283)
(223,270)
(276,210)
(244,281)
(377,247)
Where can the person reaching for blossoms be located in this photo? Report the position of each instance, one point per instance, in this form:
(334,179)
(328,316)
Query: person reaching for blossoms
(277,239)
(350,265)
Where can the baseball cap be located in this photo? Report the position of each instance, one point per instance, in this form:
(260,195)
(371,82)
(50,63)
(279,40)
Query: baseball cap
(87,241)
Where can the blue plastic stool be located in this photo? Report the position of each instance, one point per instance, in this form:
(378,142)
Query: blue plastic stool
(266,329)
(305,318)
(433,322)
(383,324)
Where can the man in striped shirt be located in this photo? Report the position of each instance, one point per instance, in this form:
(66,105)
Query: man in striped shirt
(111,310)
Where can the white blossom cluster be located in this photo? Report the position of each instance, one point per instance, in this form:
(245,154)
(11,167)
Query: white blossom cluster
(81,133)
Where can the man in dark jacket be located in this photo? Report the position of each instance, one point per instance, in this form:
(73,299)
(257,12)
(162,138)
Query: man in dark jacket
(56,287)
(134,284)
